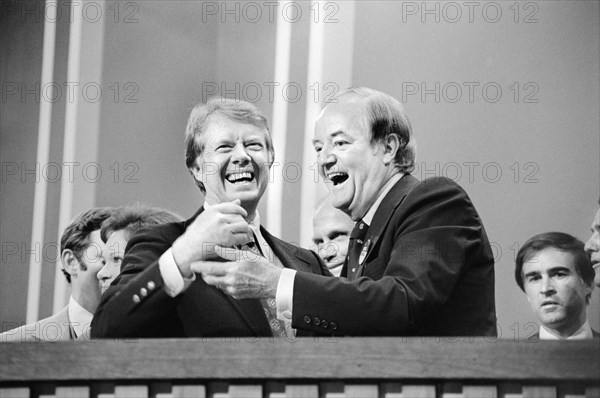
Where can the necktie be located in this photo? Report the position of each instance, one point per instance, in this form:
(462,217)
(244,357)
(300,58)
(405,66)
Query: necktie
(355,246)
(278,327)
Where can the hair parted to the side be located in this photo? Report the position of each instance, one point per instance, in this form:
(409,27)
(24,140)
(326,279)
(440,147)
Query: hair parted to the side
(560,241)
(237,110)
(132,218)
(76,235)
(384,115)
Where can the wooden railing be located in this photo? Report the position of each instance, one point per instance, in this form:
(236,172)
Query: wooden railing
(320,368)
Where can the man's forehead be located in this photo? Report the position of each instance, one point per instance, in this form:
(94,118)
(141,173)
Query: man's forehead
(337,118)
(549,259)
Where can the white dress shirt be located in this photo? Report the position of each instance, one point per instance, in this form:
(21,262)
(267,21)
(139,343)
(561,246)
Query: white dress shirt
(79,318)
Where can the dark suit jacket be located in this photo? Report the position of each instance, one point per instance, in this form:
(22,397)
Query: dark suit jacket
(200,311)
(429,270)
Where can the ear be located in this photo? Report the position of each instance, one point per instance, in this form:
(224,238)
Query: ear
(588,289)
(69,262)
(197,171)
(391,146)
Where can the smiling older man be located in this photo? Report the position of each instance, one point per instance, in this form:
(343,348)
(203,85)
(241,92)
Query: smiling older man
(419,260)
(229,153)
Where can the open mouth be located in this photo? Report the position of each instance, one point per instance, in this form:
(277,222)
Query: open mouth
(337,177)
(244,177)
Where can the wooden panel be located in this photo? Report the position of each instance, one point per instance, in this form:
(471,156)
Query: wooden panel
(480,392)
(350,358)
(397,390)
(241,391)
(355,391)
(21,392)
(593,392)
(297,391)
(73,392)
(131,391)
(188,391)
(539,392)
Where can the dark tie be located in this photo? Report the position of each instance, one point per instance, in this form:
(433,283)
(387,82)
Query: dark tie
(269,305)
(355,247)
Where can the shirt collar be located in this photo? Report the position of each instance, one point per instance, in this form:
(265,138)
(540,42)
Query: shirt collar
(79,318)
(368,218)
(583,333)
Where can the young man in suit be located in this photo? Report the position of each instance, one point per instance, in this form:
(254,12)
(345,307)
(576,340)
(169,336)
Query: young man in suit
(229,153)
(592,247)
(419,261)
(81,257)
(554,271)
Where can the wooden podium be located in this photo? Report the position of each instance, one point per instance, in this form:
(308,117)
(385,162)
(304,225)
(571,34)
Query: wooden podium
(307,367)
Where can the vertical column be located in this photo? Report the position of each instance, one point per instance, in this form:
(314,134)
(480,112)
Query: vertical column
(43,154)
(279,124)
(82,115)
(330,62)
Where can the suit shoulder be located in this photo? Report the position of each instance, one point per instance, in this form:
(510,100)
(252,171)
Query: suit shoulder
(54,328)
(169,231)
(442,184)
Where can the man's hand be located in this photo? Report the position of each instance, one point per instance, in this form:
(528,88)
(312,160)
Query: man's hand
(222,224)
(245,275)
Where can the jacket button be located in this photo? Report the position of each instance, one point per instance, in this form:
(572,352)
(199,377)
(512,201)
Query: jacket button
(143,292)
(324,324)
(306,319)
(317,321)
(151,285)
(136,298)
(333,325)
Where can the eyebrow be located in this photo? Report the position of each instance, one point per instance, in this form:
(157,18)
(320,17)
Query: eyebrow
(335,134)
(549,271)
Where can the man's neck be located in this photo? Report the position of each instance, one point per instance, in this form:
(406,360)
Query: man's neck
(88,303)
(566,332)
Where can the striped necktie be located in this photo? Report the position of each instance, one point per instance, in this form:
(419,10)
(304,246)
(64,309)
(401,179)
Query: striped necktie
(355,246)
(278,327)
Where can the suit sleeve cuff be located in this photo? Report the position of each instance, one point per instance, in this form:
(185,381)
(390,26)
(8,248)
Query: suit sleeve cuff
(175,283)
(285,294)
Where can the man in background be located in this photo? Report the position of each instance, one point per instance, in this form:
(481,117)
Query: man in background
(119,228)
(81,256)
(555,273)
(592,247)
(331,234)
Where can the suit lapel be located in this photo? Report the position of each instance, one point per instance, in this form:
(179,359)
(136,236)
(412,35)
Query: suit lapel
(387,206)
(289,255)
(250,310)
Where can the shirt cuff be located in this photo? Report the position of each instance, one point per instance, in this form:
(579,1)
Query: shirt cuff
(175,283)
(285,294)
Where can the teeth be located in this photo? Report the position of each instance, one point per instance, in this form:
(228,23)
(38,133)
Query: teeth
(336,174)
(239,176)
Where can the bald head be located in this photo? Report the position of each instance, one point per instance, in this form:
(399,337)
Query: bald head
(331,232)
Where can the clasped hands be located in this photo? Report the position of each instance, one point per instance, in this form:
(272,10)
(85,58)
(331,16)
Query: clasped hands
(211,246)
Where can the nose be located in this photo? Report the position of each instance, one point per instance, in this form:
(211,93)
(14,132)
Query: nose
(547,286)
(593,243)
(104,273)
(328,251)
(239,155)
(325,158)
